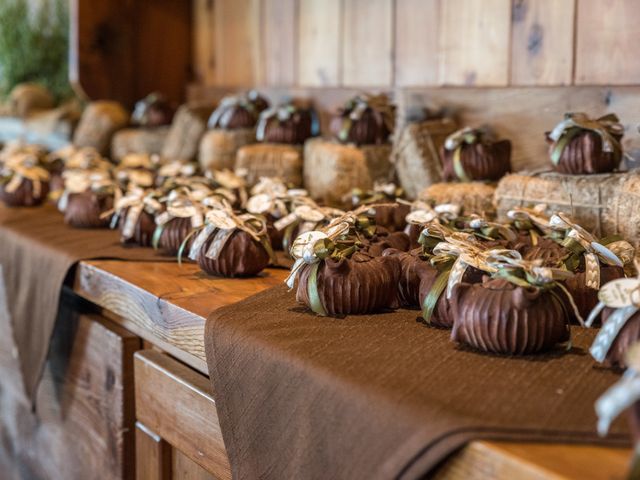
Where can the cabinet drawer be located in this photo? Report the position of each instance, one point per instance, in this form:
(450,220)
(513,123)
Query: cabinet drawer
(177,403)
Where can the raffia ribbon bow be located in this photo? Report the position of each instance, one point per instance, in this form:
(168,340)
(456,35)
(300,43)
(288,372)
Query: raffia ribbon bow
(422,213)
(222,223)
(606,127)
(594,252)
(25,166)
(79,181)
(134,203)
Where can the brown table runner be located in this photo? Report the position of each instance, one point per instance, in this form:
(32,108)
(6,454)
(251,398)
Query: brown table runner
(36,252)
(383,396)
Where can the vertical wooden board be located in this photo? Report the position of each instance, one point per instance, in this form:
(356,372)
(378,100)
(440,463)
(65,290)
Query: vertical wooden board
(416,42)
(183,468)
(280,20)
(319,38)
(542,42)
(474,42)
(204,42)
(153,455)
(237,42)
(367,47)
(607,41)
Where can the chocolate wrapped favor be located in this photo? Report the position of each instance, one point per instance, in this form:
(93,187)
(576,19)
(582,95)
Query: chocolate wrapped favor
(290,124)
(335,276)
(391,214)
(518,312)
(24,180)
(230,245)
(470,154)
(154,110)
(87,195)
(595,262)
(581,145)
(364,120)
(134,214)
(231,126)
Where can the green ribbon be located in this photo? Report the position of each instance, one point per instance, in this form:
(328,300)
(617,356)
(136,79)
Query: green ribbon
(457,165)
(312,291)
(183,245)
(157,233)
(431,300)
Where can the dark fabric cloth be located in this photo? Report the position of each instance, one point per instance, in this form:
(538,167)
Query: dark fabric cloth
(382,396)
(37,251)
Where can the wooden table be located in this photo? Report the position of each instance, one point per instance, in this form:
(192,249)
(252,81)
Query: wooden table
(166,305)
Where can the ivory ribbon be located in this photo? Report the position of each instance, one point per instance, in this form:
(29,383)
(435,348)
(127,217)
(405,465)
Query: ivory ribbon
(24,166)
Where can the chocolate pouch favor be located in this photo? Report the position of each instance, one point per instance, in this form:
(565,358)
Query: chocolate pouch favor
(469,154)
(581,145)
(24,180)
(364,120)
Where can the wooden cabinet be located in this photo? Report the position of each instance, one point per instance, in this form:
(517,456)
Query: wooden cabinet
(177,435)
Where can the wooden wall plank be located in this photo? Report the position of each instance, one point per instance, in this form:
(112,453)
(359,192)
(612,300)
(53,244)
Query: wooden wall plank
(153,455)
(606,42)
(204,42)
(238,42)
(280,20)
(367,47)
(319,32)
(416,42)
(474,42)
(542,42)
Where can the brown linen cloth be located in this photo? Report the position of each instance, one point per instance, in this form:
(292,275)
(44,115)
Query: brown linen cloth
(37,251)
(382,396)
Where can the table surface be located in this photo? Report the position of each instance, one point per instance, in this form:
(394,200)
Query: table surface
(167,304)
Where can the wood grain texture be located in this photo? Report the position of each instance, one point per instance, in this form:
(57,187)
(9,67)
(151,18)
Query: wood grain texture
(84,419)
(319,39)
(203,53)
(367,46)
(164,388)
(280,30)
(534,461)
(606,42)
(542,37)
(238,42)
(474,42)
(153,455)
(416,42)
(171,314)
(184,468)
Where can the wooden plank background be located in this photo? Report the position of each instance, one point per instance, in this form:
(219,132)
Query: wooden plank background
(388,43)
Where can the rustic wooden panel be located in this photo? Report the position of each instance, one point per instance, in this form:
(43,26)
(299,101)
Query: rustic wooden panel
(542,42)
(238,42)
(367,46)
(204,42)
(416,45)
(280,25)
(474,42)
(163,388)
(184,468)
(524,114)
(84,421)
(140,298)
(153,455)
(534,461)
(319,35)
(606,42)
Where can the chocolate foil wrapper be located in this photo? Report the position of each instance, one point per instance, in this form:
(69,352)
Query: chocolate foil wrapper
(369,129)
(143,231)
(293,131)
(384,240)
(241,256)
(550,252)
(583,154)
(499,317)
(479,161)
(236,117)
(628,335)
(586,298)
(357,285)
(23,196)
(392,217)
(84,210)
(413,268)
(174,233)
